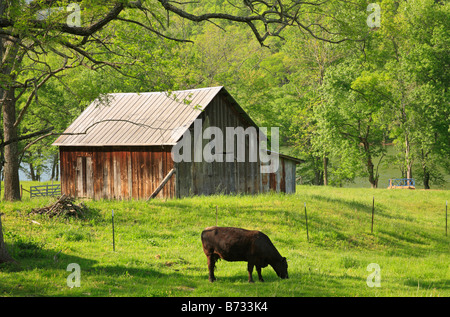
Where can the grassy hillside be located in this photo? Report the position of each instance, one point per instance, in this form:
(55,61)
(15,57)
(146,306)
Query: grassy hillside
(159,253)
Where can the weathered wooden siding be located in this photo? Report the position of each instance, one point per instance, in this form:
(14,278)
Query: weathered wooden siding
(289,172)
(283,180)
(115,172)
(203,178)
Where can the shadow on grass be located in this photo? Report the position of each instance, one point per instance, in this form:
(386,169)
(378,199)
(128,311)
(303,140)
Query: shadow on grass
(443,284)
(298,284)
(30,255)
(352,204)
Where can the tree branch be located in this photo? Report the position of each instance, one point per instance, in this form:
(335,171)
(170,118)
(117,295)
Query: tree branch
(73,30)
(34,92)
(154,31)
(25,137)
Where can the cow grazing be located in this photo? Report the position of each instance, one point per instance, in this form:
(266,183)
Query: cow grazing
(235,244)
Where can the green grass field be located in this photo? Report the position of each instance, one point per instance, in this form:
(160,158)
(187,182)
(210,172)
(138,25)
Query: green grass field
(159,253)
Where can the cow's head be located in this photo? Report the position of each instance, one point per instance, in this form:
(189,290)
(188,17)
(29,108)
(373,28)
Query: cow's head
(281,268)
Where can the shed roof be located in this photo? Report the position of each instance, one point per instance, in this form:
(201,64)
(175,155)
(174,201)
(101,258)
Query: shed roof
(137,119)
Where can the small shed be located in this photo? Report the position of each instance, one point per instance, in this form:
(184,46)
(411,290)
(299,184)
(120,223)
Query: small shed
(120,147)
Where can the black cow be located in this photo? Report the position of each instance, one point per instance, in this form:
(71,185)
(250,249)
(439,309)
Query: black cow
(235,244)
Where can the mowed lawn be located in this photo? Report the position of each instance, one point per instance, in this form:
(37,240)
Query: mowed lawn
(158,250)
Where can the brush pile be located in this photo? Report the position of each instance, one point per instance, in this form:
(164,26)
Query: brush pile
(65,206)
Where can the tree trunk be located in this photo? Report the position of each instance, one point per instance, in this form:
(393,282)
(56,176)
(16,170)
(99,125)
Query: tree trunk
(325,170)
(9,57)
(373,179)
(318,173)
(318,177)
(426,179)
(33,177)
(55,174)
(426,173)
(57,167)
(11,168)
(4,256)
(408,158)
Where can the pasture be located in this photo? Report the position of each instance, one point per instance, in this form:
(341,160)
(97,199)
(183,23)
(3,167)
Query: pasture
(158,250)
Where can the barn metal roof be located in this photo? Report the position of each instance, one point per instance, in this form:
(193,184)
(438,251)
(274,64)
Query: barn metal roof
(137,119)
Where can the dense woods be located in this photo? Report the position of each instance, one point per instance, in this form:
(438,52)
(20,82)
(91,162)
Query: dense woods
(339,89)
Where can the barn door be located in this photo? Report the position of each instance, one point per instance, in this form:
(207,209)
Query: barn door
(84,177)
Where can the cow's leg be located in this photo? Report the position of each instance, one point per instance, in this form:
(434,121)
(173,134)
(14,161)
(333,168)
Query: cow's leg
(258,269)
(211,264)
(250,271)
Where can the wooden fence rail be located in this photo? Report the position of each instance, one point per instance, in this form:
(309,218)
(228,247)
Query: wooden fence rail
(43,190)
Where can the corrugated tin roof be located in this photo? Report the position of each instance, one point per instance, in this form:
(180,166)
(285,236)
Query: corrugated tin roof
(137,118)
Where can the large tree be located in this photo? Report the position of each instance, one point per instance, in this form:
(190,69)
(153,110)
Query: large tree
(411,49)
(421,37)
(352,120)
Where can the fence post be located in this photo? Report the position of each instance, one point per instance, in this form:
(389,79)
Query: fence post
(373,210)
(112,221)
(306,219)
